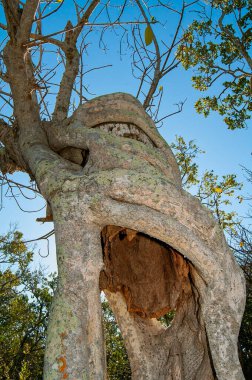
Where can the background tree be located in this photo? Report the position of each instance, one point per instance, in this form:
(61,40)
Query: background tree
(25,297)
(117,359)
(218,45)
(214,192)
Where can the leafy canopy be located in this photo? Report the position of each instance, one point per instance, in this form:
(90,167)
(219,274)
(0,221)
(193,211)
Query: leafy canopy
(215,192)
(25,297)
(218,46)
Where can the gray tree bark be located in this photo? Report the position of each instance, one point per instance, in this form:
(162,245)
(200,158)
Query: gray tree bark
(136,186)
(106,165)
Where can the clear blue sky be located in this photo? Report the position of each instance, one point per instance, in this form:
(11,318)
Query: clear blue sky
(226,151)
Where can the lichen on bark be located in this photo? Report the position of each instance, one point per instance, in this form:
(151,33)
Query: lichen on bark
(137,189)
(136,193)
(93,178)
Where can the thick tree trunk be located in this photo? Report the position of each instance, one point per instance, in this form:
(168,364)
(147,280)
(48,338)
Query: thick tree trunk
(123,174)
(155,352)
(107,165)
(136,186)
(75,347)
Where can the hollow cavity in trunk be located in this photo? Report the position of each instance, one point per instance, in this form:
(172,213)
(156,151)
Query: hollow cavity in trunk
(154,280)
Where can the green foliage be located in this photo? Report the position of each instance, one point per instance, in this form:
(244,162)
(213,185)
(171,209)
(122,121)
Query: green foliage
(185,154)
(218,46)
(217,193)
(25,297)
(214,192)
(117,359)
(167,319)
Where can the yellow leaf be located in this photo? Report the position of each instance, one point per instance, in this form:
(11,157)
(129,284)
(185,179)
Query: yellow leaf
(160,88)
(148,35)
(241,244)
(217,190)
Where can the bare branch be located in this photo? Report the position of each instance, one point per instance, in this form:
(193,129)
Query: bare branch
(181,15)
(19,185)
(12,15)
(2,26)
(157,73)
(10,157)
(72,64)
(68,78)
(240,47)
(27,18)
(180,108)
(41,17)
(39,39)
(7,165)
(84,19)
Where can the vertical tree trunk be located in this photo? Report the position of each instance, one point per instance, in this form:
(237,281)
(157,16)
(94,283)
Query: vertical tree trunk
(130,179)
(178,352)
(75,348)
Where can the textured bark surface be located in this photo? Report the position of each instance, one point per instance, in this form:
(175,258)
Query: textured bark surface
(130,184)
(75,328)
(94,176)
(107,165)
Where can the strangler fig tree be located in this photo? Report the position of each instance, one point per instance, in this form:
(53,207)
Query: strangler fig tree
(122,222)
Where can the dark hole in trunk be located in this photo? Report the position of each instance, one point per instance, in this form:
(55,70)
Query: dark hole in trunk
(153,277)
(75,155)
(85,157)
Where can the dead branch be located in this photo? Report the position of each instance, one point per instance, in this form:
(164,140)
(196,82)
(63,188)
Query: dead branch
(72,65)
(156,63)
(10,156)
(27,19)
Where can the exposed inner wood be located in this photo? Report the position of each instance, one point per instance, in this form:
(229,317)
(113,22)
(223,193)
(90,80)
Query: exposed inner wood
(155,279)
(152,276)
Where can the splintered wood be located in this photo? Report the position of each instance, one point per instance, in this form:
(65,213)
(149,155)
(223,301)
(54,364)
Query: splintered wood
(152,276)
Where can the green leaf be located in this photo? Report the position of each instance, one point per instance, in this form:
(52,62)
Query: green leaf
(148,35)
